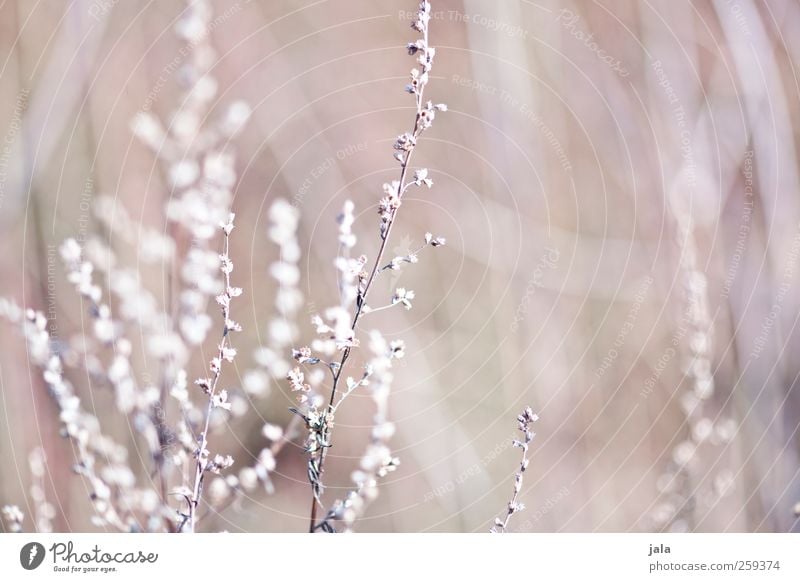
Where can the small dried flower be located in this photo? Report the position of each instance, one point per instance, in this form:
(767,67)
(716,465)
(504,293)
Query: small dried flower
(204,384)
(405,142)
(227,353)
(227,227)
(303,356)
(401,295)
(220,400)
(398,349)
(297,382)
(220,463)
(421,178)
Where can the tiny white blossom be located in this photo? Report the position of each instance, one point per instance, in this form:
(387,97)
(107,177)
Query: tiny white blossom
(401,295)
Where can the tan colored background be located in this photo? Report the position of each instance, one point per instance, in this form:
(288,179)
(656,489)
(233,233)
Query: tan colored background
(544,147)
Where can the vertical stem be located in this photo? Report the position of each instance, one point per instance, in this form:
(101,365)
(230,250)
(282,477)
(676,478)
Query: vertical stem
(200,465)
(362,297)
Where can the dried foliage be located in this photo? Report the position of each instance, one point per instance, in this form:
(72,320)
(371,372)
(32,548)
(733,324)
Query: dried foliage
(177,431)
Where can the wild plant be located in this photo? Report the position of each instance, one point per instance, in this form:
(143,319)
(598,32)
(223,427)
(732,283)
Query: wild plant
(200,169)
(524,422)
(337,326)
(173,417)
(680,487)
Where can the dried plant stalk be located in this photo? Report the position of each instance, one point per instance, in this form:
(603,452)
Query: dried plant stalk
(524,420)
(356,279)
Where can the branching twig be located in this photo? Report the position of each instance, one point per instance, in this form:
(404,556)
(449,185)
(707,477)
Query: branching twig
(525,420)
(405,146)
(209,385)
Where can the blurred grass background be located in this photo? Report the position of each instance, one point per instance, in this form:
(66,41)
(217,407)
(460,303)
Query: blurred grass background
(552,170)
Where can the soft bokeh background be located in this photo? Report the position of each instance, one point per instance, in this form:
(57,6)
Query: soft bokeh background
(554,169)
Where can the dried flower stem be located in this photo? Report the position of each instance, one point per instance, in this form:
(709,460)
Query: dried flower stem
(210,386)
(525,420)
(405,159)
(377,460)
(92,447)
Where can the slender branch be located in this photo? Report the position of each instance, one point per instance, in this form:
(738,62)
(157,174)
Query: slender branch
(525,420)
(406,145)
(210,386)
(361,300)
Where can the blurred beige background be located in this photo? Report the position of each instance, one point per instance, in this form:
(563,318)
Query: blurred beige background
(560,286)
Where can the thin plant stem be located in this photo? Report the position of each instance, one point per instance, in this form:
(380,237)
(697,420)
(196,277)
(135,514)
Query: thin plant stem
(202,453)
(524,421)
(362,297)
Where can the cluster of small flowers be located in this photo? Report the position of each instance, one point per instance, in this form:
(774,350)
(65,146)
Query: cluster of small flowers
(426,112)
(265,463)
(226,487)
(401,295)
(421,50)
(334,326)
(352,276)
(200,166)
(377,460)
(101,461)
(201,172)
(129,398)
(524,422)
(337,325)
(216,399)
(152,244)
(413,256)
(136,305)
(13,518)
(389,204)
(675,512)
(282,329)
